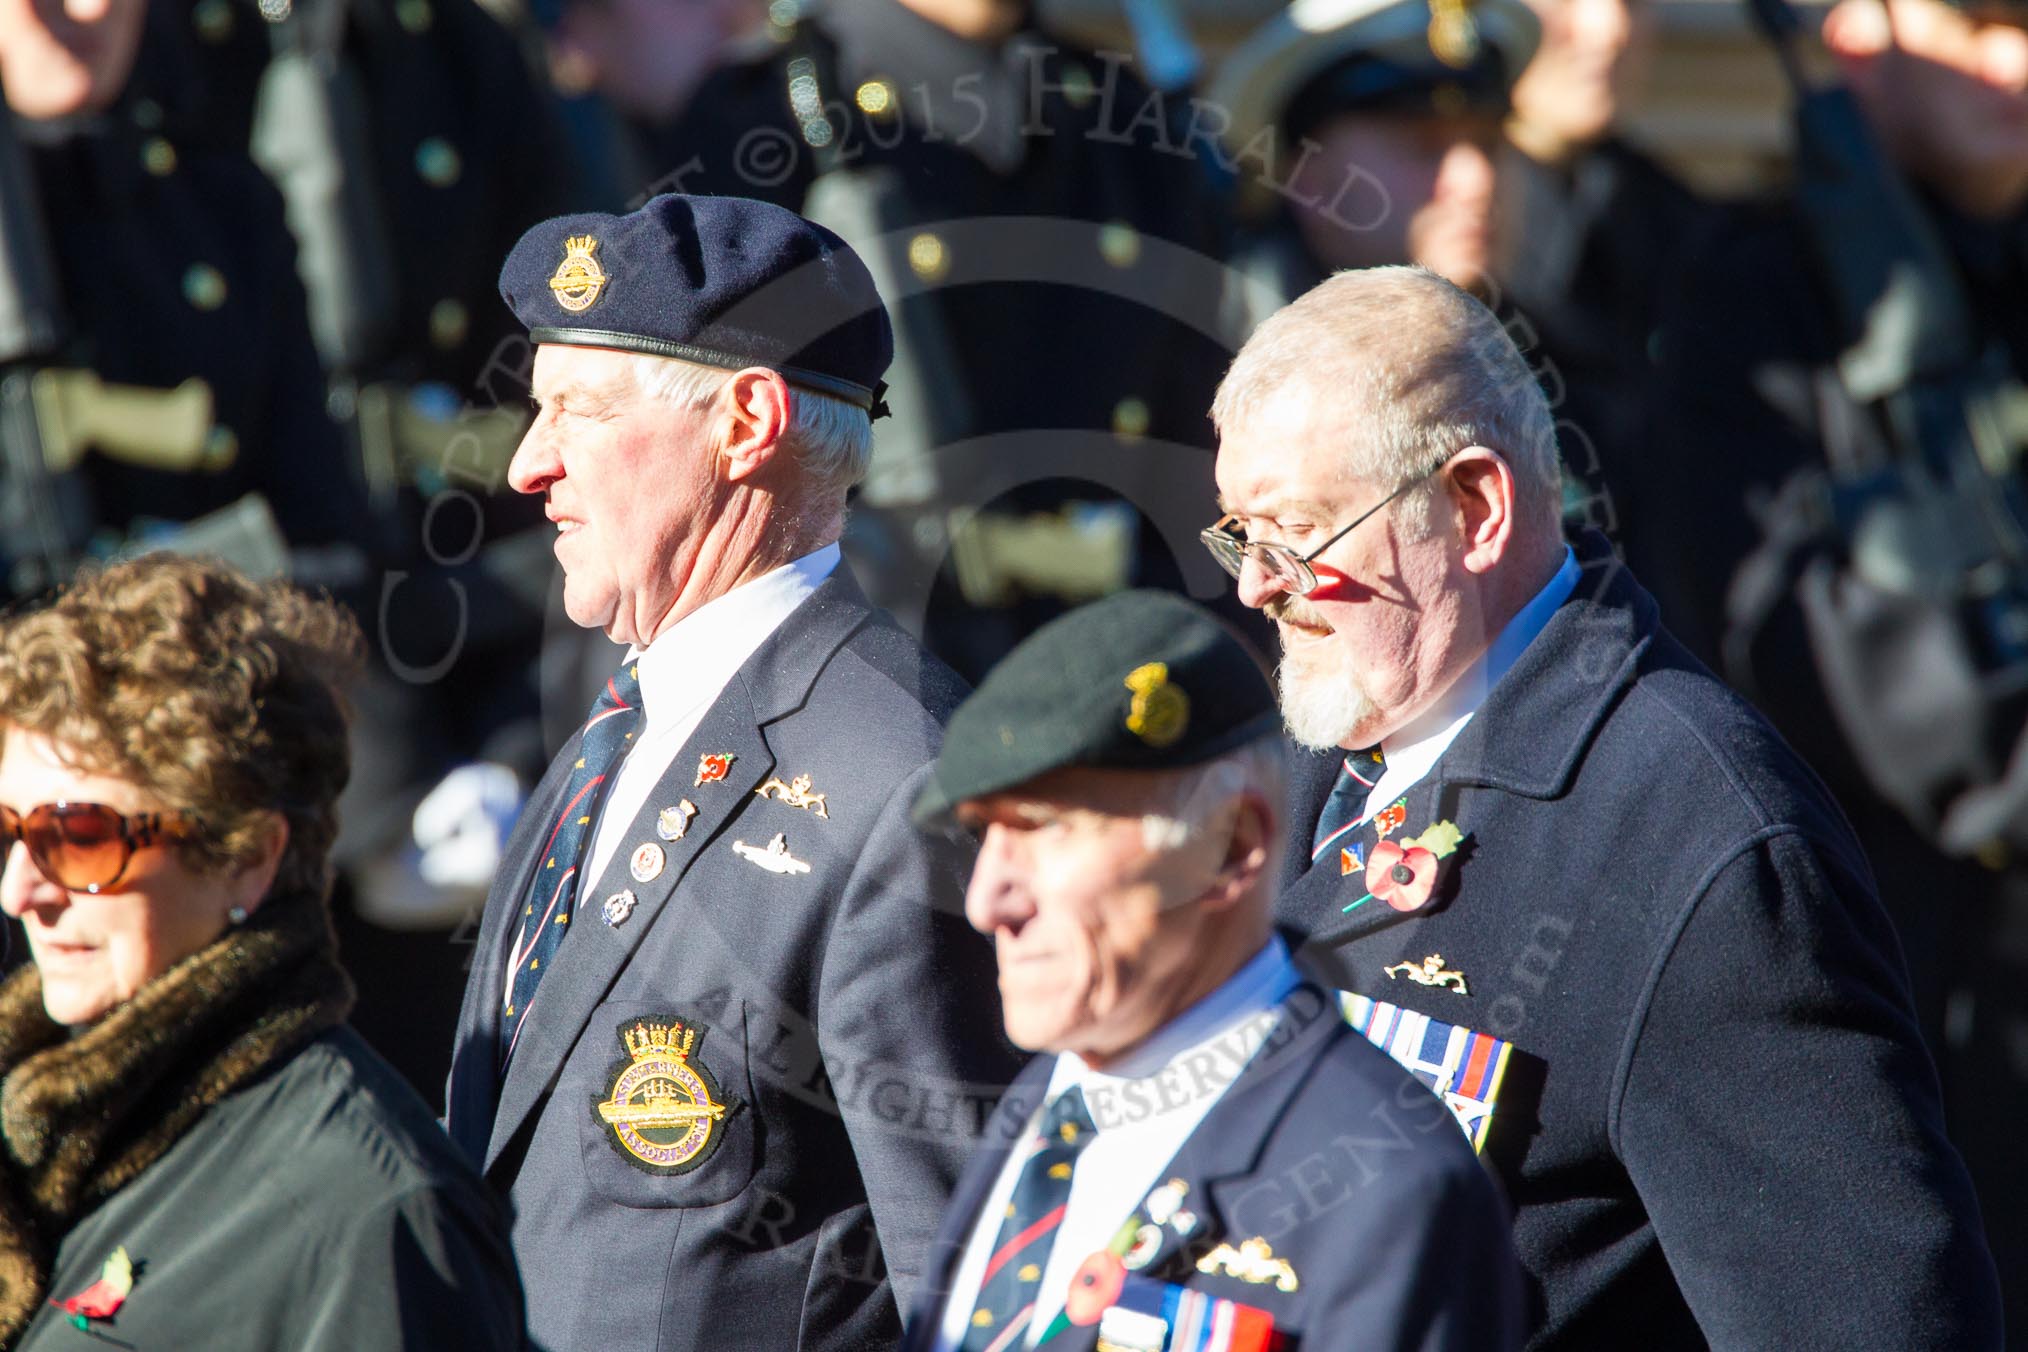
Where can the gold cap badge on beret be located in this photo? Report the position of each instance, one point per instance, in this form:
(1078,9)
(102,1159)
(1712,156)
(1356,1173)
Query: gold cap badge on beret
(578,279)
(1160,710)
(1453,33)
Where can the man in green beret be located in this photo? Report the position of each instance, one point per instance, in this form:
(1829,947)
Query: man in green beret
(1204,1141)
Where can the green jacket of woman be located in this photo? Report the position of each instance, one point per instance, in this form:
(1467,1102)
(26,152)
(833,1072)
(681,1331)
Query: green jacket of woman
(228,1167)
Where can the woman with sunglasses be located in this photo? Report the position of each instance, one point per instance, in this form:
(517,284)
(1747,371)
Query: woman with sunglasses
(194,1150)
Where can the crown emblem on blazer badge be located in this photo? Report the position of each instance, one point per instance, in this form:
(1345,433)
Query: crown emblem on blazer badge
(578,279)
(665,1112)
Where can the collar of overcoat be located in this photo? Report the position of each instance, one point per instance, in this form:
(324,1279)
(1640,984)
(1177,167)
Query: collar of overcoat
(1528,739)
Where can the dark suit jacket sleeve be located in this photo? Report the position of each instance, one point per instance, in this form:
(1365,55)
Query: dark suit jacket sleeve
(909,1025)
(1431,1269)
(1781,994)
(426,1269)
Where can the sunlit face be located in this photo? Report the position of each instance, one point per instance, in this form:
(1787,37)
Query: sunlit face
(59,58)
(1093,916)
(1593,54)
(1948,93)
(96,951)
(1389,626)
(1400,188)
(628,481)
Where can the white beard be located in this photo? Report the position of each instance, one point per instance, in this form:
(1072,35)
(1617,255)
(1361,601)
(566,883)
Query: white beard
(1321,707)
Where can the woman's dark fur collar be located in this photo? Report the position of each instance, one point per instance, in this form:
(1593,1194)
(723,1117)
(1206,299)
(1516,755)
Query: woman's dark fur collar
(81,1116)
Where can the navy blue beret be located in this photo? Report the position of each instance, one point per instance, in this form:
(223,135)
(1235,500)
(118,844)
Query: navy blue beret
(721,281)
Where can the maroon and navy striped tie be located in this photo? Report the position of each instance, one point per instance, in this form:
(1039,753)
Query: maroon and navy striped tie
(1006,1300)
(546,910)
(1346,807)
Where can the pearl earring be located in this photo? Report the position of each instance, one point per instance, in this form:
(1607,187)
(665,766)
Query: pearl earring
(236,916)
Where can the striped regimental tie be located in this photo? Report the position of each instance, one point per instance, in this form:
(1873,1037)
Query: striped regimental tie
(1346,807)
(546,910)
(1006,1300)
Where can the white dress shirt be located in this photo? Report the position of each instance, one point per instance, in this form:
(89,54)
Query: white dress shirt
(1145,1107)
(1415,746)
(684,670)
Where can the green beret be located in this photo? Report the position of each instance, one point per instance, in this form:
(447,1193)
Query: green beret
(1142,680)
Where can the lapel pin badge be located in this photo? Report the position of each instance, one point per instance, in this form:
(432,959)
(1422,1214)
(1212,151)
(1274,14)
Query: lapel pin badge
(795,793)
(104,1297)
(1141,1251)
(1253,1261)
(1404,873)
(775,858)
(1429,972)
(646,865)
(672,822)
(1163,1201)
(619,906)
(713,766)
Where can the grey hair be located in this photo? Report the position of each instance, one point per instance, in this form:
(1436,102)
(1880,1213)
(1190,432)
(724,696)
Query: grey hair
(830,439)
(1187,801)
(1423,367)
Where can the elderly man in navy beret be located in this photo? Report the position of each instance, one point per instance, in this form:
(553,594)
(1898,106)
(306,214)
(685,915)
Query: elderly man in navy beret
(727,1039)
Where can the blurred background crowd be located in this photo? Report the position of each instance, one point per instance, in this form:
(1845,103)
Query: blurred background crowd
(1771,265)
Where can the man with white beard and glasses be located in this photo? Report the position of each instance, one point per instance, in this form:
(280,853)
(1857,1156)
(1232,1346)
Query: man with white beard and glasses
(1528,812)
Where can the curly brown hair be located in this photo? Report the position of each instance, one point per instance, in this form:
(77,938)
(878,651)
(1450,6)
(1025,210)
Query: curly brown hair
(220,694)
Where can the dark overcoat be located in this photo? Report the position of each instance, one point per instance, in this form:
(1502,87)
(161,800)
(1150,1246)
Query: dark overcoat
(1720,1125)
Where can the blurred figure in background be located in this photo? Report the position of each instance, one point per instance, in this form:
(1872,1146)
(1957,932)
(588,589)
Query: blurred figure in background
(413,143)
(1365,132)
(1590,230)
(196,1151)
(159,362)
(1788,408)
(1048,240)
(645,59)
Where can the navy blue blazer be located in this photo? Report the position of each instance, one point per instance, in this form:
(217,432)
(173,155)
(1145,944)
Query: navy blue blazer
(845,1015)
(1720,1125)
(1353,1173)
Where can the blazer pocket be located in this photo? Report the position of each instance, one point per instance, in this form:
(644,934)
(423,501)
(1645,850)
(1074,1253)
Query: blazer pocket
(666,1105)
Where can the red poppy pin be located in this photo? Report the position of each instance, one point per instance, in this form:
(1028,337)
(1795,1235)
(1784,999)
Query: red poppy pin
(713,766)
(1404,873)
(1095,1287)
(104,1297)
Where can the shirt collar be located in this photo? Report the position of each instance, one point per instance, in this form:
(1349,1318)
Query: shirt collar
(1415,746)
(690,662)
(1254,989)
